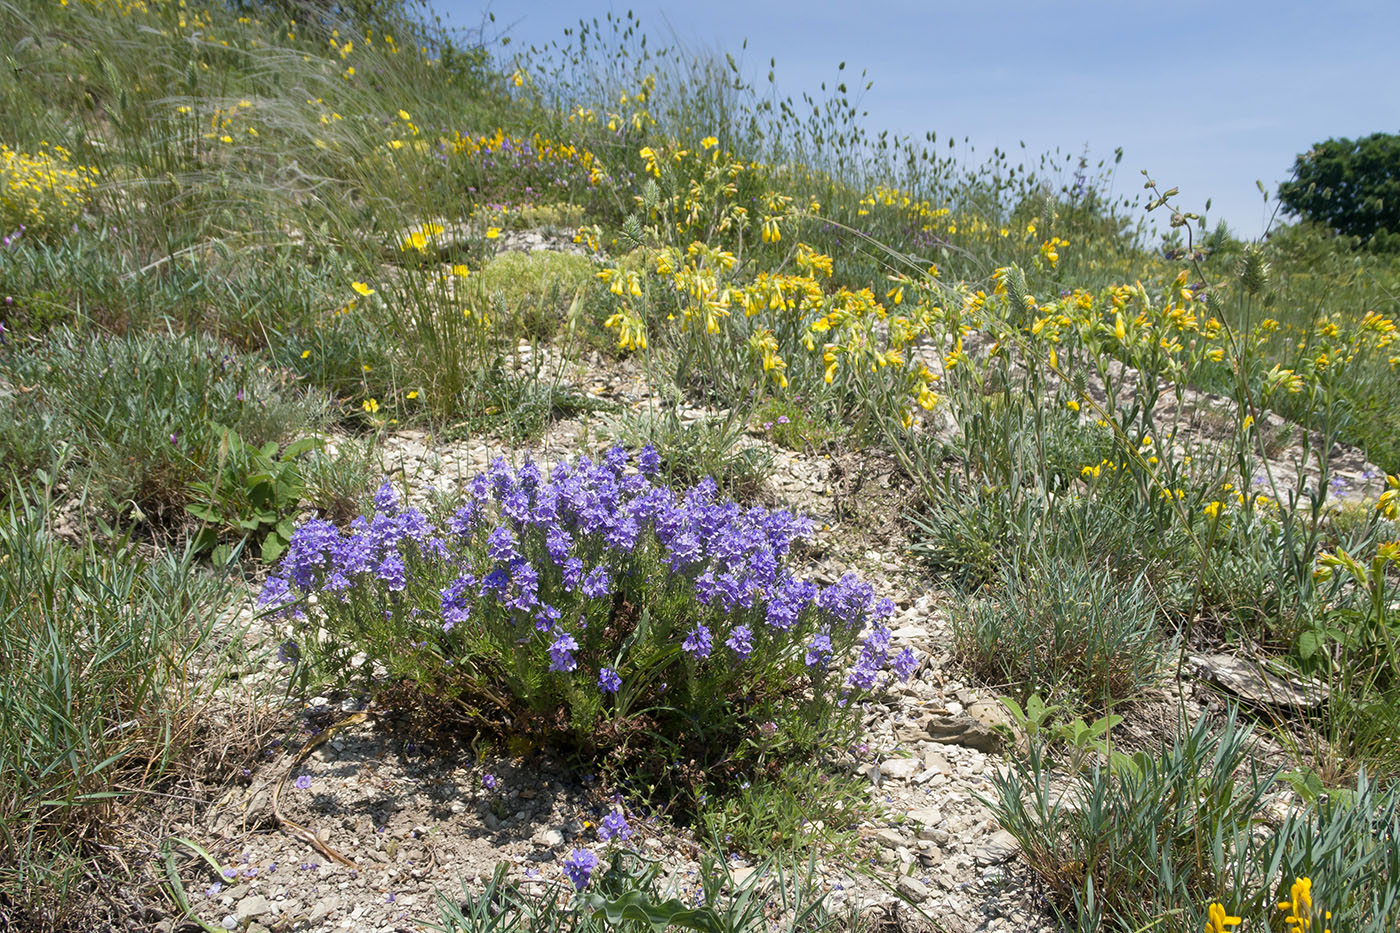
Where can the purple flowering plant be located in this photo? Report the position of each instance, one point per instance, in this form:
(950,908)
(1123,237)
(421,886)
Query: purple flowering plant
(591,595)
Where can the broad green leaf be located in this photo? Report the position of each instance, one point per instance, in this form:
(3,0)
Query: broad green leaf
(272,548)
(636,906)
(298,447)
(1309,643)
(205,512)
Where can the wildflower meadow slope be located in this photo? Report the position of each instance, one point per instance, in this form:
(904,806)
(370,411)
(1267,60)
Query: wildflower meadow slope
(454,486)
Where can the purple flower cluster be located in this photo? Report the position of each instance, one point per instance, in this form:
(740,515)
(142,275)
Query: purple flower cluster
(614,826)
(579,867)
(548,559)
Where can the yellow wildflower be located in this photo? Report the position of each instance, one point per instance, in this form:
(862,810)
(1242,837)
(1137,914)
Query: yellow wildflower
(631,329)
(362,289)
(1217,920)
(1389,503)
(1300,908)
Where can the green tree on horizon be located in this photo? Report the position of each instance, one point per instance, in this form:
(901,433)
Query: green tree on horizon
(1350,186)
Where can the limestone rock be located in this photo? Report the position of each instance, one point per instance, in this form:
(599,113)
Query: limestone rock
(962,729)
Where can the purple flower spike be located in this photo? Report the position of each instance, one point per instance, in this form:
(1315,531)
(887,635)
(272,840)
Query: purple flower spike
(501,545)
(614,826)
(597,584)
(386,499)
(741,642)
(609,681)
(698,642)
(579,867)
(561,653)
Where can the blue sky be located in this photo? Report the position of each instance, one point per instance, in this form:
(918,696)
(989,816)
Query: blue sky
(1208,96)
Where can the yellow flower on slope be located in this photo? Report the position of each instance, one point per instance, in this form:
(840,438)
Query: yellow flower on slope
(1217,920)
(631,330)
(370,405)
(1389,503)
(1300,908)
(362,289)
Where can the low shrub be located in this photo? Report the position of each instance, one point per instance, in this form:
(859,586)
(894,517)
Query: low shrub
(630,893)
(790,424)
(710,447)
(595,610)
(1062,627)
(339,476)
(535,288)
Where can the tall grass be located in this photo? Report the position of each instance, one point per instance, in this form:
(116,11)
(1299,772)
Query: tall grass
(100,652)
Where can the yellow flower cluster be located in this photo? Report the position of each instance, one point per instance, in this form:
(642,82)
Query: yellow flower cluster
(1328,563)
(120,7)
(838,325)
(706,193)
(724,205)
(764,345)
(221,121)
(638,119)
(1389,504)
(420,238)
(928,219)
(43,188)
(184,18)
(1301,913)
(544,151)
(1218,921)
(1170,333)
(1050,250)
(895,198)
(1302,916)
